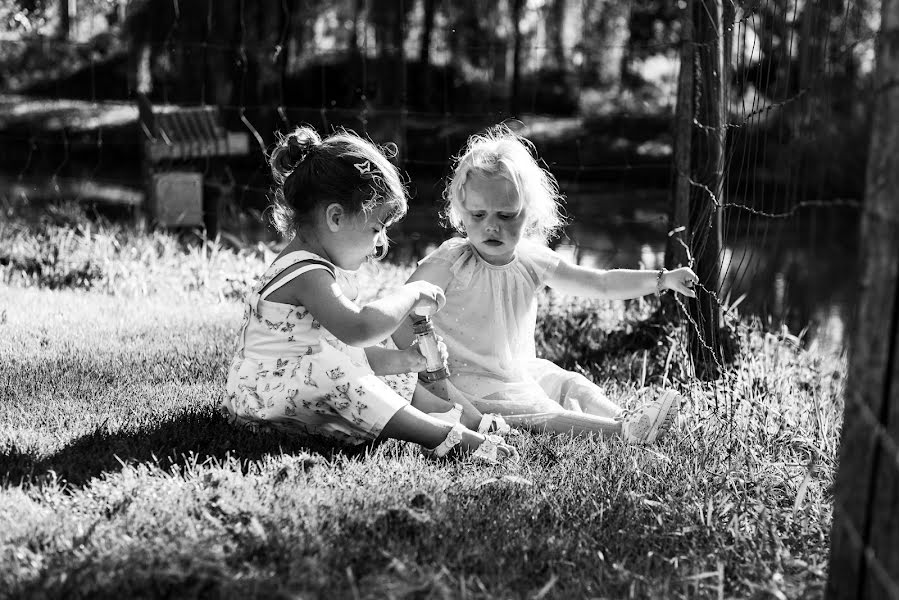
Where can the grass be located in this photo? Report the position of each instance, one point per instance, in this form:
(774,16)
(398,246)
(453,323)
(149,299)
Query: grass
(119,478)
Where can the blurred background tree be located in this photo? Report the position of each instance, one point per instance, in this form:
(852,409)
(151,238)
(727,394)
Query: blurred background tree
(398,69)
(514,57)
(591,82)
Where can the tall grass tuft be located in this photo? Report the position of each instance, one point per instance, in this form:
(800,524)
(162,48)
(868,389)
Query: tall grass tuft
(60,251)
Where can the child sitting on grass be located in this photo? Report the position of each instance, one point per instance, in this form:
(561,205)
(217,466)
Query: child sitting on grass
(300,362)
(506,206)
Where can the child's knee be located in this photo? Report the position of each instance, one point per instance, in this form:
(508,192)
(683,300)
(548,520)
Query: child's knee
(578,386)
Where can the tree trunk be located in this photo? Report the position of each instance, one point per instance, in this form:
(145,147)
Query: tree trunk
(729,16)
(606,34)
(398,44)
(614,36)
(555,21)
(146,28)
(140,75)
(202,42)
(814,36)
(679,233)
(707,187)
(383,15)
(427,30)
(65,19)
(864,560)
(285,53)
(271,20)
(515,89)
(400,73)
(358,7)
(424,54)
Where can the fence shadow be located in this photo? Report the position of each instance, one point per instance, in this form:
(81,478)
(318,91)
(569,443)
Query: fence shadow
(188,438)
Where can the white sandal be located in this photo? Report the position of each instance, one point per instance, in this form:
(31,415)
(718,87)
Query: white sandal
(493,423)
(453,438)
(488,451)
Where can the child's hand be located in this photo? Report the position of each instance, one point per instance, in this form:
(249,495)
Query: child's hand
(417,361)
(680,280)
(429,296)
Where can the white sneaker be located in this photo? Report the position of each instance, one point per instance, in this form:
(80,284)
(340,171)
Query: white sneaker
(648,423)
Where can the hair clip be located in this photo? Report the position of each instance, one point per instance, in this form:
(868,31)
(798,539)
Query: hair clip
(364,168)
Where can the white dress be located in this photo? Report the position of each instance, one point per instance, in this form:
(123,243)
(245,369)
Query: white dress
(291,372)
(488,325)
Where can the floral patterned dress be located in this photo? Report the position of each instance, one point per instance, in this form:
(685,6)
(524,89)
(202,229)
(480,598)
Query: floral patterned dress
(292,373)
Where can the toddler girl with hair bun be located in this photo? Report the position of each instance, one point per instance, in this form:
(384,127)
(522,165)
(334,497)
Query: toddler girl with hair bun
(506,206)
(308,358)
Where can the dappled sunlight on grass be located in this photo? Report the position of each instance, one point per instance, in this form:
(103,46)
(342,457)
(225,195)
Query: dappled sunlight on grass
(64,113)
(120,476)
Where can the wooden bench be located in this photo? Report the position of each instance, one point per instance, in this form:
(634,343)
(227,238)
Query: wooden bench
(177,142)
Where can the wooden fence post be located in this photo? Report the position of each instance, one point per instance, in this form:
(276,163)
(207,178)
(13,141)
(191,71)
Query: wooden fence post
(695,217)
(864,559)
(677,247)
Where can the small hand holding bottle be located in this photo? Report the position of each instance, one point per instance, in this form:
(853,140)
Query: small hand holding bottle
(418,362)
(428,296)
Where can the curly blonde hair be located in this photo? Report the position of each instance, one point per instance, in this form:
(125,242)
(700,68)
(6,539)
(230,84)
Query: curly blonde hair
(500,152)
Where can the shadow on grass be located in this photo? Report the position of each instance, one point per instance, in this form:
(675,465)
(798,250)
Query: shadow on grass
(186,439)
(130,576)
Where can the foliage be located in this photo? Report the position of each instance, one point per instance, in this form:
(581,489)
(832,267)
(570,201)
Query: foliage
(799,75)
(784,48)
(654,26)
(32,53)
(118,477)
(65,250)
(24,18)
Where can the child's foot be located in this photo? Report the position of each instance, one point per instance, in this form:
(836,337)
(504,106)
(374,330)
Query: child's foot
(648,423)
(494,450)
(451,416)
(494,423)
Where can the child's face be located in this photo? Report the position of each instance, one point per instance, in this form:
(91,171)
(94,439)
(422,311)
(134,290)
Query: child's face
(494,217)
(357,239)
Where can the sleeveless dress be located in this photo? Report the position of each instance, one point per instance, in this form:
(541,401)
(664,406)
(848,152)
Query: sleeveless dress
(488,326)
(292,373)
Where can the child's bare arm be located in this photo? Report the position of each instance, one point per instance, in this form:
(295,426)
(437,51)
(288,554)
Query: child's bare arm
(358,326)
(385,361)
(619,284)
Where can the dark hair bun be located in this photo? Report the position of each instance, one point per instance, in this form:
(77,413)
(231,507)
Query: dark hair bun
(293,149)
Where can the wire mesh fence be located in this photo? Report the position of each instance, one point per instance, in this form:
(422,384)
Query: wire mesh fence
(593,84)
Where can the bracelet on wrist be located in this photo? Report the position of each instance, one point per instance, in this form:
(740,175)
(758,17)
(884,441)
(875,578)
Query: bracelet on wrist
(659,290)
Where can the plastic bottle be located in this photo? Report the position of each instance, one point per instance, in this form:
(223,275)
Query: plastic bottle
(427,345)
